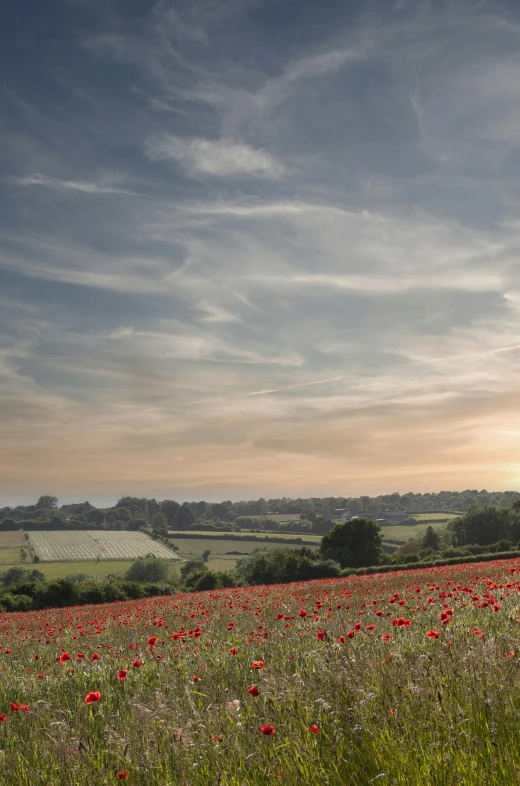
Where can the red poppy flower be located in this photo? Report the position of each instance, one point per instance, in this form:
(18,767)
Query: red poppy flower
(137,663)
(321,635)
(93,696)
(433,634)
(123,775)
(341,639)
(253,690)
(267,729)
(3,718)
(121,675)
(314,728)
(8,652)
(65,657)
(195,678)
(152,640)
(233,651)
(95,656)
(216,738)
(257,664)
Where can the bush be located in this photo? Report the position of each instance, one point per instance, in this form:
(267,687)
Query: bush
(147,569)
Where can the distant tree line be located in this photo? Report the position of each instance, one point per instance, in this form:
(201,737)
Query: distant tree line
(316,514)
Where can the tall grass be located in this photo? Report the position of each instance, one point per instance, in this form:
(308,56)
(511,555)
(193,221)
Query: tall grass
(409,711)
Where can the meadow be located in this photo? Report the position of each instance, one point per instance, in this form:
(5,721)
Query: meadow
(405,678)
(225,553)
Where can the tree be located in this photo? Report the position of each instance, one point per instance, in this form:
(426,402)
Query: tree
(147,569)
(169,507)
(183,519)
(191,566)
(431,539)
(136,524)
(354,544)
(205,554)
(159,521)
(47,502)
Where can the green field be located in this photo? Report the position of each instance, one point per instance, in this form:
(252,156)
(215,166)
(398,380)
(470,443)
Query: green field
(288,536)
(434,516)
(403,533)
(189,547)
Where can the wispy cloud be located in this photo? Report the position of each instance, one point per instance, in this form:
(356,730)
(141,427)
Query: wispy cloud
(242,253)
(220,158)
(84,187)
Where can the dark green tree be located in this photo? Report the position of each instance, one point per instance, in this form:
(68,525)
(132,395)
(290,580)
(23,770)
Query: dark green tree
(169,507)
(354,544)
(430,539)
(47,502)
(183,519)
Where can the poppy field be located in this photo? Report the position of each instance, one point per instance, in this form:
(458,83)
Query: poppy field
(398,678)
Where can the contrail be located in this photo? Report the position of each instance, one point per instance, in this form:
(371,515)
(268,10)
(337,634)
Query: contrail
(298,385)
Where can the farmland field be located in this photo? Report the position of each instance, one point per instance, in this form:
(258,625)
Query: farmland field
(277,516)
(287,536)
(64,546)
(190,548)
(434,516)
(405,679)
(403,533)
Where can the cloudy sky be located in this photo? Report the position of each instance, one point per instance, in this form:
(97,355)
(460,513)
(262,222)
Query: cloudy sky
(259,247)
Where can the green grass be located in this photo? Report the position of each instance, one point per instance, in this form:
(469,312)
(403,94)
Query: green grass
(387,705)
(12,557)
(193,547)
(434,516)
(288,536)
(404,533)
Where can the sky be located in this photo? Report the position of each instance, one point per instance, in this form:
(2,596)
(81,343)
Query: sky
(258,248)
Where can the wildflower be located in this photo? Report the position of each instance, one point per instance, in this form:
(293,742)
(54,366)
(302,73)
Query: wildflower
(95,656)
(8,652)
(123,775)
(267,729)
(195,678)
(253,690)
(3,718)
(370,627)
(121,675)
(216,738)
(433,634)
(341,639)
(137,663)
(257,664)
(64,657)
(321,635)
(233,651)
(93,696)
(314,728)
(386,637)
(152,640)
